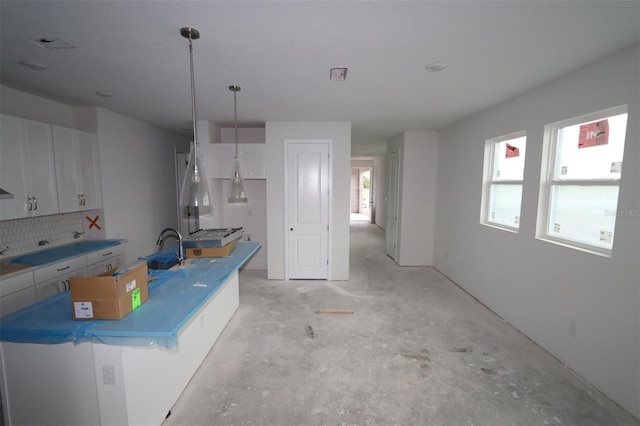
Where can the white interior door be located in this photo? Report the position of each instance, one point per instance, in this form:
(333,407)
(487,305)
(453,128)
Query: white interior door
(391,232)
(307,182)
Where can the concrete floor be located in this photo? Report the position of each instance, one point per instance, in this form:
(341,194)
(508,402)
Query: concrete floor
(417,350)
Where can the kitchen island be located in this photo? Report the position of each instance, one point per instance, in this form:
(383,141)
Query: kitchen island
(128,372)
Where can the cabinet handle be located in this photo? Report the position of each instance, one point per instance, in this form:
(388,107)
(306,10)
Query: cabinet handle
(84,200)
(35,201)
(30,203)
(107,254)
(62,269)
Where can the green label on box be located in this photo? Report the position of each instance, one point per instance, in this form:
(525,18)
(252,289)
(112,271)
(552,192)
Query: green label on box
(135,299)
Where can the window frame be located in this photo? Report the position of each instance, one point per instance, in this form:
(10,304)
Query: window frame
(488,181)
(548,180)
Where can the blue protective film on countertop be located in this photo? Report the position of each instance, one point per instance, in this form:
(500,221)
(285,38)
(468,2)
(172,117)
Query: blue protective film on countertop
(174,297)
(164,257)
(55,254)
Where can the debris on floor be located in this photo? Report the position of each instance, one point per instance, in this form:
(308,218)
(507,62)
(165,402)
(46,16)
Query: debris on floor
(309,330)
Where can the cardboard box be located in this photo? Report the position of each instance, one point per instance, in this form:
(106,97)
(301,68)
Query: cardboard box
(212,251)
(111,295)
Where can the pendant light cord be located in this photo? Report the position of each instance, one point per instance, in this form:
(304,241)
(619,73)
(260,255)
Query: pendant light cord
(193,102)
(235,118)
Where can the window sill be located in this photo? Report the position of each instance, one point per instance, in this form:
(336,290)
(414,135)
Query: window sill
(501,227)
(574,246)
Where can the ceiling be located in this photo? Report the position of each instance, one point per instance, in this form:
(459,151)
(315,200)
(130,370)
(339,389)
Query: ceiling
(280,53)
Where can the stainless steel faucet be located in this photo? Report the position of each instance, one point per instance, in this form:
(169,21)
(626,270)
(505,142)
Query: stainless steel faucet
(180,248)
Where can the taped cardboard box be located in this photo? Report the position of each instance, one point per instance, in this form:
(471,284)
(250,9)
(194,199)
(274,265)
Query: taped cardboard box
(212,251)
(111,295)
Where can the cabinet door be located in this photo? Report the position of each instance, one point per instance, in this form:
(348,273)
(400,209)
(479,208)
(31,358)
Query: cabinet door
(105,265)
(56,285)
(105,260)
(88,170)
(16,293)
(13,194)
(16,301)
(39,169)
(51,287)
(77,173)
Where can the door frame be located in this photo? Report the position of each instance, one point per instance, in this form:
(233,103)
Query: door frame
(393,205)
(370,203)
(287,143)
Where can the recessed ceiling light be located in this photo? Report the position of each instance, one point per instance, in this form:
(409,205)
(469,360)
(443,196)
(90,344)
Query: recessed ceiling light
(104,94)
(338,74)
(33,65)
(436,66)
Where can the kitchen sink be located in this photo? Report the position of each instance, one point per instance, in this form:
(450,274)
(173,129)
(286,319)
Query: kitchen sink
(160,265)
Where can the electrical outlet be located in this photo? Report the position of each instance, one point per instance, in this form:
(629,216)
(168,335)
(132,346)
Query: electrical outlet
(108,374)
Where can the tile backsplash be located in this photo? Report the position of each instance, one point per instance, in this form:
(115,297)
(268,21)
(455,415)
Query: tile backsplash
(23,235)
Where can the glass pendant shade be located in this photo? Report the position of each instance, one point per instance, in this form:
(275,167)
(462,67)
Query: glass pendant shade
(194,194)
(237,194)
(195,188)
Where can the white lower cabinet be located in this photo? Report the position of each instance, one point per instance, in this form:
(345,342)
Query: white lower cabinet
(53,279)
(105,260)
(56,285)
(16,293)
(25,289)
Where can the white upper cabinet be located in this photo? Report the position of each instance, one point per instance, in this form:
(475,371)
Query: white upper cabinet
(27,175)
(40,170)
(12,188)
(76,170)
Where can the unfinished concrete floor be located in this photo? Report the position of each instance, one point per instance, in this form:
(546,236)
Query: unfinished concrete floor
(417,350)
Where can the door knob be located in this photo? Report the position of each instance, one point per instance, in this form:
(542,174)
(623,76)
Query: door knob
(290,229)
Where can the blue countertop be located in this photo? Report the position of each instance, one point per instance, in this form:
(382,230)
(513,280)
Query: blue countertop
(174,297)
(57,254)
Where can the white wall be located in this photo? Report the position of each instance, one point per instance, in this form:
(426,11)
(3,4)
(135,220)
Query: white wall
(138,180)
(418,159)
(340,134)
(25,105)
(540,287)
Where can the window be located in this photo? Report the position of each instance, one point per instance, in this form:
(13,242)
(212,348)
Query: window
(579,193)
(502,189)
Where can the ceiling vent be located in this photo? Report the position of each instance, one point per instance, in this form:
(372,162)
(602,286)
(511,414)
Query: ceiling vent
(53,43)
(338,74)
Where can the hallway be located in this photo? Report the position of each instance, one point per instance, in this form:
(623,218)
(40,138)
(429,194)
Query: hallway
(390,346)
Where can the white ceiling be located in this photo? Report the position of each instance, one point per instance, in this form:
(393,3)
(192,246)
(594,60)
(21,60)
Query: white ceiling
(280,53)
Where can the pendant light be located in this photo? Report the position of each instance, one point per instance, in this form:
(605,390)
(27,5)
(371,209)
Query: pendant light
(195,187)
(237,194)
